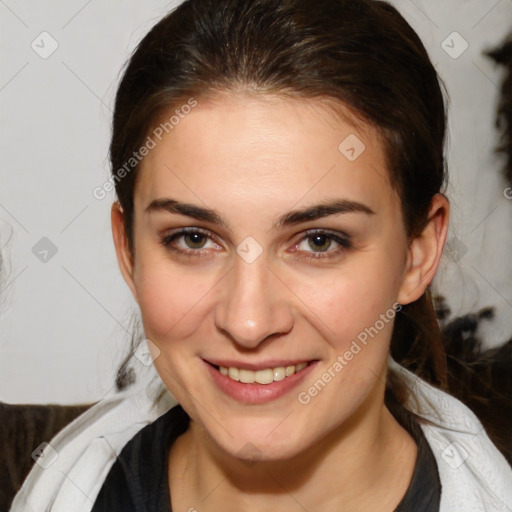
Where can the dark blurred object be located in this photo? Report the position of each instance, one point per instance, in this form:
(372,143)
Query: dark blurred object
(503,56)
(22,429)
(482,379)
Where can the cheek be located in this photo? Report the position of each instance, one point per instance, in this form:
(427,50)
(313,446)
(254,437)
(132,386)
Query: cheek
(173,305)
(346,301)
(170,301)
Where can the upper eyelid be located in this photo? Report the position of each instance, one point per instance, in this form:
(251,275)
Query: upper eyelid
(332,232)
(176,233)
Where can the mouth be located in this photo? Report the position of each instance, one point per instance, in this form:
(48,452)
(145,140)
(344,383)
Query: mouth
(258,383)
(264,376)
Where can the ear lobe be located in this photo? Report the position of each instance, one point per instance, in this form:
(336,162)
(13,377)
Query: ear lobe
(425,252)
(123,253)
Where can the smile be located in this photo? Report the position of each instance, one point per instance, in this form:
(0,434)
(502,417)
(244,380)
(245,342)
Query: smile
(258,383)
(265,376)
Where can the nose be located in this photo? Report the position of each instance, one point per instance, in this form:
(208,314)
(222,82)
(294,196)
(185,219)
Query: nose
(254,304)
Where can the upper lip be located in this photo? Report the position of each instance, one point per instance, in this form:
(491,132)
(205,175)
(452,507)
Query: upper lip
(272,363)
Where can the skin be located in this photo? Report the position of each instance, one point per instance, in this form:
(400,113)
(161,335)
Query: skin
(253,159)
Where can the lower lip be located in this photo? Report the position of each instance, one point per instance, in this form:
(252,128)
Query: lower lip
(258,393)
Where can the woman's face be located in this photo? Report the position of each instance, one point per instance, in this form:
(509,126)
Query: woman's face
(267,235)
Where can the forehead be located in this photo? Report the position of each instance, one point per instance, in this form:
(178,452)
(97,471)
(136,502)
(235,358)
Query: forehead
(266,149)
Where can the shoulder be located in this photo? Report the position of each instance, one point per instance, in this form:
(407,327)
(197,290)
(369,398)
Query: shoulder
(474,474)
(76,462)
(146,447)
(138,478)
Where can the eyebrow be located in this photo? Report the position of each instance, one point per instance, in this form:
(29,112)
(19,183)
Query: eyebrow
(294,217)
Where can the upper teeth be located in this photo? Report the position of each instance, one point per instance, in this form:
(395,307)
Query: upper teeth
(261,376)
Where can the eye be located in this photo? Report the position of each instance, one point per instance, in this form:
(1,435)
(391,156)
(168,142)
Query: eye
(315,244)
(190,241)
(323,244)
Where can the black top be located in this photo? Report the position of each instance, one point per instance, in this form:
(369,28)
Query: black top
(138,480)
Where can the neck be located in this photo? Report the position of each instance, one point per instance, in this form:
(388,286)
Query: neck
(353,468)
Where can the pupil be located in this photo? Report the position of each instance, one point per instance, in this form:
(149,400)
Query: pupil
(321,242)
(195,240)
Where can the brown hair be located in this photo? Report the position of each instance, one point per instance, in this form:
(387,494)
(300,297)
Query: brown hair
(360,53)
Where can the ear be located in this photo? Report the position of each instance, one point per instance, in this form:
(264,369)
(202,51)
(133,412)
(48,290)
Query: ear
(124,256)
(425,252)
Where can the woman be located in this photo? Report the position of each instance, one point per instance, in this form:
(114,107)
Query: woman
(279,168)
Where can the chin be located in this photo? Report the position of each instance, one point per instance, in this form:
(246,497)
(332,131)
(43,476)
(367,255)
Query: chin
(260,440)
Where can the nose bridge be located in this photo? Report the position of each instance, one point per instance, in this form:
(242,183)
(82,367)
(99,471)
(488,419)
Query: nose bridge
(252,307)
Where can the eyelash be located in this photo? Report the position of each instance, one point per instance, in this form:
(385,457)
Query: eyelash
(344,243)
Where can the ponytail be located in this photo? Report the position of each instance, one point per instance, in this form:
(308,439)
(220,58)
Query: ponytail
(417,342)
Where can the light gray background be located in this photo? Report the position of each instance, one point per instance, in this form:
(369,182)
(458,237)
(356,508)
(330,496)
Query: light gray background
(64,323)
